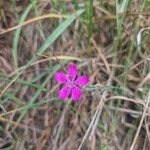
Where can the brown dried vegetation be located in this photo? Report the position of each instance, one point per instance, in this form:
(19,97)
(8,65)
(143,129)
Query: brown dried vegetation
(114,111)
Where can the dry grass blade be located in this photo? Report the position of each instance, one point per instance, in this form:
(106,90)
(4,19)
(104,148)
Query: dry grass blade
(18,125)
(141,121)
(96,116)
(63,57)
(124,110)
(33,20)
(59,127)
(139,38)
(101,55)
(136,101)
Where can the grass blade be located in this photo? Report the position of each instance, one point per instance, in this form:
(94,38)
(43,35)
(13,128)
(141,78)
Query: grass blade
(17,35)
(59,30)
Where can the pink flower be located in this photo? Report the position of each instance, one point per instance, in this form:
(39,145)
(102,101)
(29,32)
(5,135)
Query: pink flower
(72,83)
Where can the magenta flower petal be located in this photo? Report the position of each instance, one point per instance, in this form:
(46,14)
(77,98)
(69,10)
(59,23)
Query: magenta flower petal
(60,77)
(72,71)
(82,81)
(64,92)
(76,93)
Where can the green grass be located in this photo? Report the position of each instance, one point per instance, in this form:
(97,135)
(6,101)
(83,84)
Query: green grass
(17,35)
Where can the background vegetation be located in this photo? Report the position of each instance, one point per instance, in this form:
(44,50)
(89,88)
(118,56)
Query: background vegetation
(108,40)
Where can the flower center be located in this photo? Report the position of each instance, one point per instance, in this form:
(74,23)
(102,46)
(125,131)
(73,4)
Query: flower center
(71,83)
